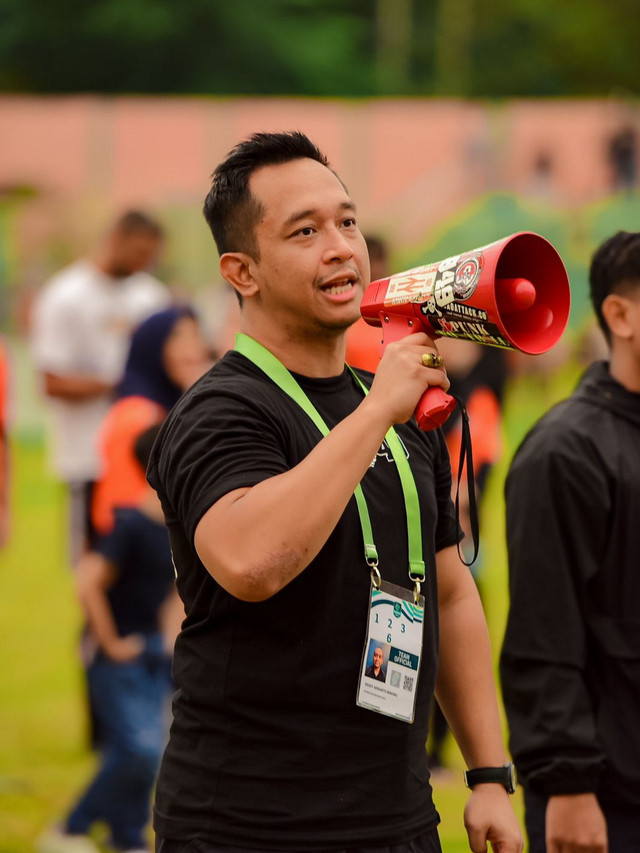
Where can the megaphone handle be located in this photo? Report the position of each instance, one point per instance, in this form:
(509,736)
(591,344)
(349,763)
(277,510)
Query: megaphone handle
(433,409)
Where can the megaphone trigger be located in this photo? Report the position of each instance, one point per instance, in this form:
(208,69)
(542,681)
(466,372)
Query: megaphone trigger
(434,408)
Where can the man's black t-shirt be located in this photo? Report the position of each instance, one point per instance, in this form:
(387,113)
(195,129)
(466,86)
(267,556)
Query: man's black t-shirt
(268,748)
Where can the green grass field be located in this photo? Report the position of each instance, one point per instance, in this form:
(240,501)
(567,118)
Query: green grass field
(43,754)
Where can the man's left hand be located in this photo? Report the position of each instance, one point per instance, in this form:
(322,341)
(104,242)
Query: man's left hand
(489,817)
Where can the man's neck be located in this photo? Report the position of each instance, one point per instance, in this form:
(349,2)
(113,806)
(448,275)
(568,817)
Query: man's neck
(318,357)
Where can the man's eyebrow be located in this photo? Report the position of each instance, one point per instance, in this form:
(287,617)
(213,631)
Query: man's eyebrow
(312,211)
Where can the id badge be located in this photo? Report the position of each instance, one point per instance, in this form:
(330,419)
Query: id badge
(388,681)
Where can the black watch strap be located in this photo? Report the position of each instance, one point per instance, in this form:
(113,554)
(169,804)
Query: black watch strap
(505,776)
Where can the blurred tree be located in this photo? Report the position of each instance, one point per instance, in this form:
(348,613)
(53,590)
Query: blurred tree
(545,47)
(196,46)
(454,34)
(393,46)
(358,48)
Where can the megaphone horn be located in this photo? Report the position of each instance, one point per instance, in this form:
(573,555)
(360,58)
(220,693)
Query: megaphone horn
(513,293)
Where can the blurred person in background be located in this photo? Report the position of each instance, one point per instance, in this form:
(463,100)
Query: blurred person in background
(81,325)
(167,353)
(570,663)
(126,586)
(622,154)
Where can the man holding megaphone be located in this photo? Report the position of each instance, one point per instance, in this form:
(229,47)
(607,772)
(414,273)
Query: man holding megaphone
(311,523)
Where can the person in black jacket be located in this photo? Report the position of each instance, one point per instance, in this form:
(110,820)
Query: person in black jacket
(570,663)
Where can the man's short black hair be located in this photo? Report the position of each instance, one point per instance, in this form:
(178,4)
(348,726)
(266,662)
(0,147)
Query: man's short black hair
(615,268)
(232,213)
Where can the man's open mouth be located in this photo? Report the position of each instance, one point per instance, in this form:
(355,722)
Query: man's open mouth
(341,285)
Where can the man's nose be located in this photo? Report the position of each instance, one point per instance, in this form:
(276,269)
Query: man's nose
(338,247)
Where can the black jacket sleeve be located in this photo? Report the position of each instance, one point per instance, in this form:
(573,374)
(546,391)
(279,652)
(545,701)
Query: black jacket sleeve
(556,500)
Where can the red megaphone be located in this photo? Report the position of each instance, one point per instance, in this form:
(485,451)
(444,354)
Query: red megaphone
(513,293)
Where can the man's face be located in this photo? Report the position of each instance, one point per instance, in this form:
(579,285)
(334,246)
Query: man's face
(131,253)
(378,657)
(313,262)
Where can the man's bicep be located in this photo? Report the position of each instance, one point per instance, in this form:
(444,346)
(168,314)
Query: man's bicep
(454,578)
(216,532)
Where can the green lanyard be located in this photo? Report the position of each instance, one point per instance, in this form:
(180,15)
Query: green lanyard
(278,373)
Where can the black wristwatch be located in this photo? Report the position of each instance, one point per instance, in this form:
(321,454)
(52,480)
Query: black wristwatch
(505,776)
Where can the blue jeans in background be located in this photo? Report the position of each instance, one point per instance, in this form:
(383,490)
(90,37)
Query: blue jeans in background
(130,701)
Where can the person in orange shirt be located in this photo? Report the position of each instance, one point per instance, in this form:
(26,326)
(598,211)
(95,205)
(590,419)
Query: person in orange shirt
(167,354)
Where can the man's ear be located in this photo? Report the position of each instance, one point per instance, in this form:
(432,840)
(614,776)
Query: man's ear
(237,269)
(615,310)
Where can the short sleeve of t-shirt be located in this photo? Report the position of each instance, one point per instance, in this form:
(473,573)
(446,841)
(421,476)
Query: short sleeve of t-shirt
(225,436)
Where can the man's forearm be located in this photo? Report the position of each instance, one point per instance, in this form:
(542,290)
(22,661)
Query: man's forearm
(466,692)
(466,689)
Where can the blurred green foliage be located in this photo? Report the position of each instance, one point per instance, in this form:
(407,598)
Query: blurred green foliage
(354,48)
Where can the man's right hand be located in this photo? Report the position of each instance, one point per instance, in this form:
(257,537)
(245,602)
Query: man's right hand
(575,824)
(401,378)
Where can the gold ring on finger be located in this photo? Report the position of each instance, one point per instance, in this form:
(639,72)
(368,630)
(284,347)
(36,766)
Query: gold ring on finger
(432,359)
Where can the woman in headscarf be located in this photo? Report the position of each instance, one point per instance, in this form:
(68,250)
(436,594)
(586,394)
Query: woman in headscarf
(167,354)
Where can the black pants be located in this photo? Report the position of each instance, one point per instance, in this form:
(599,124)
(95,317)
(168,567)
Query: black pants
(427,843)
(623,826)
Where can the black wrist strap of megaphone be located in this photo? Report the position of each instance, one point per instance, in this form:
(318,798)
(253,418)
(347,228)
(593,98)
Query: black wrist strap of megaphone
(466,454)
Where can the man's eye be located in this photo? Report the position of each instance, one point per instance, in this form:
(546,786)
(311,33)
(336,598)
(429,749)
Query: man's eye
(307,231)
(350,222)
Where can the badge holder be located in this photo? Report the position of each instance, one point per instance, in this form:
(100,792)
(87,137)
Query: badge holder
(392,651)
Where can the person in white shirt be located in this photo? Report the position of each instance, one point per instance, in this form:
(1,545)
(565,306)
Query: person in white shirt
(81,326)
